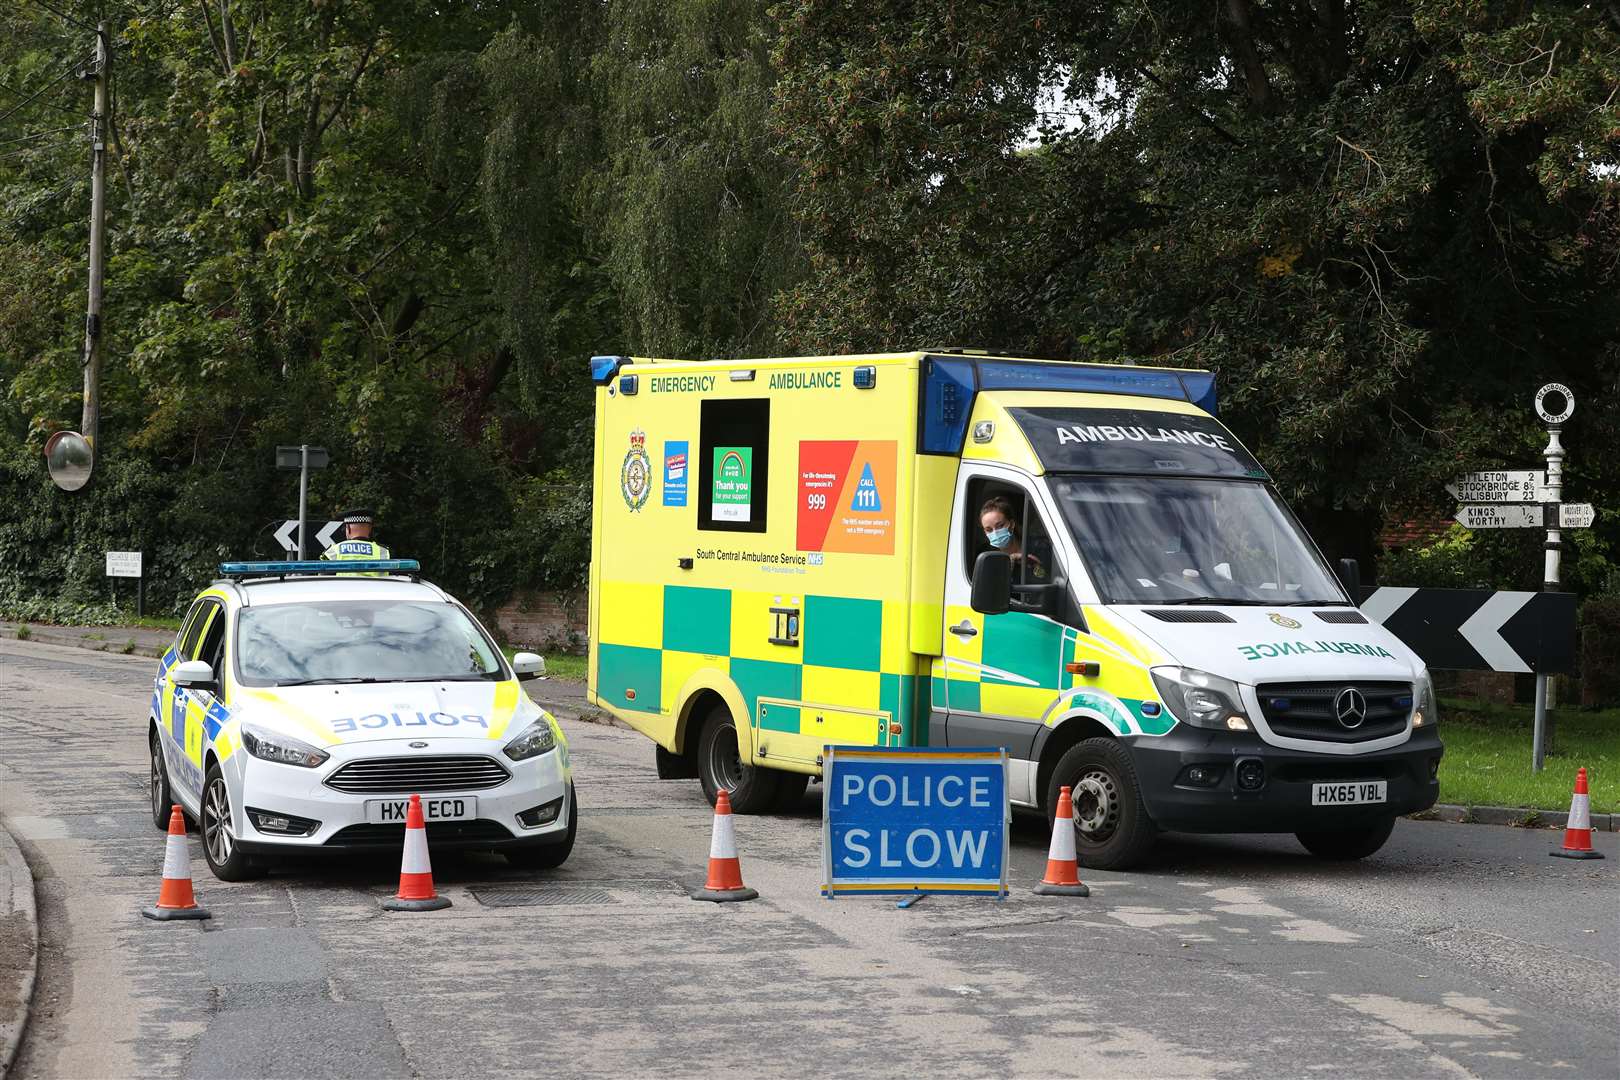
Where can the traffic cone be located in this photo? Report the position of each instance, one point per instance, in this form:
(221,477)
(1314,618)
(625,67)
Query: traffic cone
(415,874)
(1062,867)
(1578,830)
(175,900)
(725,872)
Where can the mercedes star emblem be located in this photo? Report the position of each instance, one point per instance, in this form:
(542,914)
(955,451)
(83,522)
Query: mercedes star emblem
(1350,707)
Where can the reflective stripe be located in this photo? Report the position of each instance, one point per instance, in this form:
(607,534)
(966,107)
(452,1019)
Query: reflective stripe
(1062,848)
(1580,812)
(176,859)
(415,860)
(723,844)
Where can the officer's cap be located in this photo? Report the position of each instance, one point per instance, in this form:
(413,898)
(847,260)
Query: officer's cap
(357,517)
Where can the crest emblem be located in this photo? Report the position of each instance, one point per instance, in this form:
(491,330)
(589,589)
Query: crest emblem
(1284,621)
(635,476)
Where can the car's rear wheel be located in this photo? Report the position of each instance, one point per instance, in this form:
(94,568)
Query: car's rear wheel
(162,794)
(550,856)
(1349,843)
(751,789)
(228,861)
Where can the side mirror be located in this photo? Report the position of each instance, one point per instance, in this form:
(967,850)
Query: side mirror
(1350,578)
(992,583)
(194,675)
(528,665)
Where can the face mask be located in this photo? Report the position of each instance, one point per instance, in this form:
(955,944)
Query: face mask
(999,538)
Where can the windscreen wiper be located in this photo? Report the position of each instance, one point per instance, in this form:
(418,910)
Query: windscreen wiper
(474,677)
(332,681)
(1314,603)
(1212,600)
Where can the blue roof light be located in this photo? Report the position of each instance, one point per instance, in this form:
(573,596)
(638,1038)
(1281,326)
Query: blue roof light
(603,368)
(318,567)
(948,390)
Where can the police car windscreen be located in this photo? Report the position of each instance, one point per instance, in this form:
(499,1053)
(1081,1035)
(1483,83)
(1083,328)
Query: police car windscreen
(1134,441)
(360,641)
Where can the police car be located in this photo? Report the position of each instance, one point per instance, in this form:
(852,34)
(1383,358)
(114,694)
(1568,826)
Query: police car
(302,705)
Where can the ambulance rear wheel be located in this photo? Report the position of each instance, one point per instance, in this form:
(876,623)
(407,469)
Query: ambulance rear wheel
(228,861)
(752,790)
(1112,829)
(1348,844)
(162,794)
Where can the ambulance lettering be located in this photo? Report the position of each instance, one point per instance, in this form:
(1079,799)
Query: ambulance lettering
(1268,650)
(377,721)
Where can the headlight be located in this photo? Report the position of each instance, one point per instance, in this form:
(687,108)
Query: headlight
(536,739)
(1427,712)
(1201,699)
(283,749)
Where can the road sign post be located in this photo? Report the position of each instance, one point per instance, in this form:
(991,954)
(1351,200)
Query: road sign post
(303,458)
(127,564)
(1554,404)
(914,820)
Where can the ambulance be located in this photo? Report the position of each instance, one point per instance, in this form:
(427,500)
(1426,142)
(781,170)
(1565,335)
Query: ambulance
(1076,562)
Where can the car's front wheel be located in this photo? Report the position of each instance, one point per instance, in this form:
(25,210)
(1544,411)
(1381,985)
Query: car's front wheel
(162,794)
(550,856)
(228,861)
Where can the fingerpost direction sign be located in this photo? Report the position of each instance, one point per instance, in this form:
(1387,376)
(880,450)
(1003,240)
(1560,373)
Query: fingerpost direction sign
(1500,517)
(1497,486)
(914,820)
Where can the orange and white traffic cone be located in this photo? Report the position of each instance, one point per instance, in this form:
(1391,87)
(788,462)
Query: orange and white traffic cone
(725,872)
(175,899)
(1062,866)
(1578,830)
(415,874)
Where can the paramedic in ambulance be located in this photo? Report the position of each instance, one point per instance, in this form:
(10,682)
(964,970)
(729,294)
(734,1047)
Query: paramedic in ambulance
(999,518)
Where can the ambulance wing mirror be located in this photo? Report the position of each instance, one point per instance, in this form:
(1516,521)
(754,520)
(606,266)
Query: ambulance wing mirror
(1350,578)
(195,675)
(992,583)
(528,665)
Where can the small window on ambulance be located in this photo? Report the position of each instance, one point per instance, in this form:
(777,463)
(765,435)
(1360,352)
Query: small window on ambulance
(734,465)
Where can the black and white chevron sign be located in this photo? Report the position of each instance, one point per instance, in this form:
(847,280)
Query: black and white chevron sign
(1480,630)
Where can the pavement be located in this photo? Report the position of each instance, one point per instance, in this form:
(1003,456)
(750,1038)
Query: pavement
(1454,951)
(19,946)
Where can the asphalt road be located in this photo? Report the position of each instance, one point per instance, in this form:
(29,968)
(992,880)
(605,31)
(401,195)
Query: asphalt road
(1457,951)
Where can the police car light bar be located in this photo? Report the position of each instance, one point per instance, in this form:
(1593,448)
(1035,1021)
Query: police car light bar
(318,567)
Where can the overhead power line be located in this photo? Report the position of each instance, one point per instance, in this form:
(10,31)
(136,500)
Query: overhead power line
(37,135)
(21,105)
(65,17)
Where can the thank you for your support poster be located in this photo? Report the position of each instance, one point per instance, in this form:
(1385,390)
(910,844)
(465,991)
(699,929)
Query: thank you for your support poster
(914,820)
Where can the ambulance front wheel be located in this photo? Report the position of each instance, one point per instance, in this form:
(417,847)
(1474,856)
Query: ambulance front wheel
(752,790)
(1112,829)
(1348,844)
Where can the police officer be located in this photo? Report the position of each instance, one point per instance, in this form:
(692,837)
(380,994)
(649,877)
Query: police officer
(357,542)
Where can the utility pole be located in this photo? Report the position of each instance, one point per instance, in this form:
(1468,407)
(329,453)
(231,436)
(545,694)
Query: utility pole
(91,422)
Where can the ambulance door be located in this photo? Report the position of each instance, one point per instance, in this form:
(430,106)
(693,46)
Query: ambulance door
(1002,672)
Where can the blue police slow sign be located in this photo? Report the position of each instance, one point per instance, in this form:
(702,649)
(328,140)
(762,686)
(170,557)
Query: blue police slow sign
(915,820)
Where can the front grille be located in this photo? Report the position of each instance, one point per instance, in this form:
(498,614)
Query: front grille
(418,775)
(481,831)
(1310,710)
(1187,615)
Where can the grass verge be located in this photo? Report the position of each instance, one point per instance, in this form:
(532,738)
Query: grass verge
(1487,760)
(558,665)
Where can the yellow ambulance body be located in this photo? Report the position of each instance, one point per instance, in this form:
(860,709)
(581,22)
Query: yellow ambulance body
(795,553)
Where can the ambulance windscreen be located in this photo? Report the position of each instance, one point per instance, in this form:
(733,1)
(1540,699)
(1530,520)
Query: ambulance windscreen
(1139,441)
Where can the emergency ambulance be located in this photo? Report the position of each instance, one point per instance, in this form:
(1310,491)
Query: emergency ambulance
(301,706)
(794,553)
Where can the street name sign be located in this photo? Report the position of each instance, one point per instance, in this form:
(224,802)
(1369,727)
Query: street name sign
(1576,515)
(1497,486)
(914,820)
(124,564)
(1500,517)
